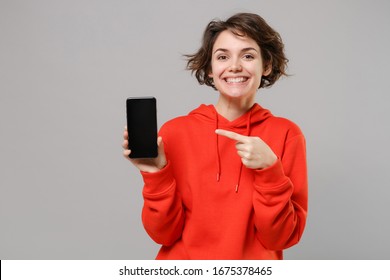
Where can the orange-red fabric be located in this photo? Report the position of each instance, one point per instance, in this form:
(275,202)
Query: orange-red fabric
(206,205)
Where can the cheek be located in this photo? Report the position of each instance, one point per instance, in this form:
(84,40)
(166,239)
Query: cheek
(216,70)
(258,71)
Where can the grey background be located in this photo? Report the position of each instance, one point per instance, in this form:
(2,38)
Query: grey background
(66,68)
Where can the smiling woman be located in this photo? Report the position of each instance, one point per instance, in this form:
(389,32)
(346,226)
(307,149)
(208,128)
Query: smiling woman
(268,41)
(233,183)
(236,70)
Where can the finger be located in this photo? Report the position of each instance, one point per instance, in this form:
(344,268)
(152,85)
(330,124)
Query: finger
(126,153)
(125,144)
(240,146)
(245,161)
(243,154)
(160,145)
(162,161)
(231,135)
(126,135)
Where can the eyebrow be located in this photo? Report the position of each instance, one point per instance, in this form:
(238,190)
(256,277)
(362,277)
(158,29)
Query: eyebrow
(243,50)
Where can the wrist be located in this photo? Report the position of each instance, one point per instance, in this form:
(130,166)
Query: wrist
(271,160)
(154,169)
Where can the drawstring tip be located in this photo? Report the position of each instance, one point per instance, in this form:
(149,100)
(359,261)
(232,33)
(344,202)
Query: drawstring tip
(218,177)
(237,188)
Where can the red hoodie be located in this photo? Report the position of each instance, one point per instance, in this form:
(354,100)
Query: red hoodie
(206,205)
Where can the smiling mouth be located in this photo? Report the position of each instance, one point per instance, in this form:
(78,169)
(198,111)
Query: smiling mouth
(236,80)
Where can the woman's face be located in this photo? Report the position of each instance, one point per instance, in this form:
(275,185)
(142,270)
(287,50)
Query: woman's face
(236,65)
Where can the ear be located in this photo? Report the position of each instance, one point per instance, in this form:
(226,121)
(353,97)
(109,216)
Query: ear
(267,70)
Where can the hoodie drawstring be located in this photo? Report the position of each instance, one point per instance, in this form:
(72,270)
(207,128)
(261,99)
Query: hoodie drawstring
(247,133)
(217,147)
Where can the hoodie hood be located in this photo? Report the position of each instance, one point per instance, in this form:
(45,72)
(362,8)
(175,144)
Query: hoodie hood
(253,117)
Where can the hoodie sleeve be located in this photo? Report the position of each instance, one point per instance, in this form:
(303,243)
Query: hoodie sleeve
(162,213)
(280,197)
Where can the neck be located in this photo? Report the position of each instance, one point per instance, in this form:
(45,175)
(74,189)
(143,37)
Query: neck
(232,109)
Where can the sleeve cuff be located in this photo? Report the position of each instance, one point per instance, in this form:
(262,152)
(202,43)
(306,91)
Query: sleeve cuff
(271,177)
(158,182)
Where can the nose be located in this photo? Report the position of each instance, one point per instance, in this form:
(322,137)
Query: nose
(235,66)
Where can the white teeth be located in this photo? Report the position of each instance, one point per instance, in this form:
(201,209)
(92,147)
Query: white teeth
(236,80)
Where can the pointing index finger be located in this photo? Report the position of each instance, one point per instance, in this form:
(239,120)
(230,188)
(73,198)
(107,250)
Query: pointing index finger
(231,135)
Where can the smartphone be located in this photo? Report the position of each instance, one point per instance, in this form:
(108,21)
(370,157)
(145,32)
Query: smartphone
(142,126)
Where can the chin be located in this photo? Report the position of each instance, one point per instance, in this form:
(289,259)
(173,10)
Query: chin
(237,93)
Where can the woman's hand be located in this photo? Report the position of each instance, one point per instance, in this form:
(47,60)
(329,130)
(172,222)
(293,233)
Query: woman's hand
(149,165)
(253,151)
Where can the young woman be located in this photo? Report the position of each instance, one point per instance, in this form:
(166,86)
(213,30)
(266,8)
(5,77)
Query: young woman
(230,180)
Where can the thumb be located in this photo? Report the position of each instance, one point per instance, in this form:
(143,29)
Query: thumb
(160,144)
(161,160)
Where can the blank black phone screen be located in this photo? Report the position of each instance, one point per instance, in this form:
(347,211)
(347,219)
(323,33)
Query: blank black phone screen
(142,126)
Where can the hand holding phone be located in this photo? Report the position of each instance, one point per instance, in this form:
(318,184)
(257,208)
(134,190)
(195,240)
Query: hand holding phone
(143,163)
(142,126)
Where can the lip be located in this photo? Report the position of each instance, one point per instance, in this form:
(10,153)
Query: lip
(236,80)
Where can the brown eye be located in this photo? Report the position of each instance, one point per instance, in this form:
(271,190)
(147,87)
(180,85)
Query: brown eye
(248,57)
(222,57)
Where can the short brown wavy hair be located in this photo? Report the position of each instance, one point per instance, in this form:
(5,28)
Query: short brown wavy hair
(241,24)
